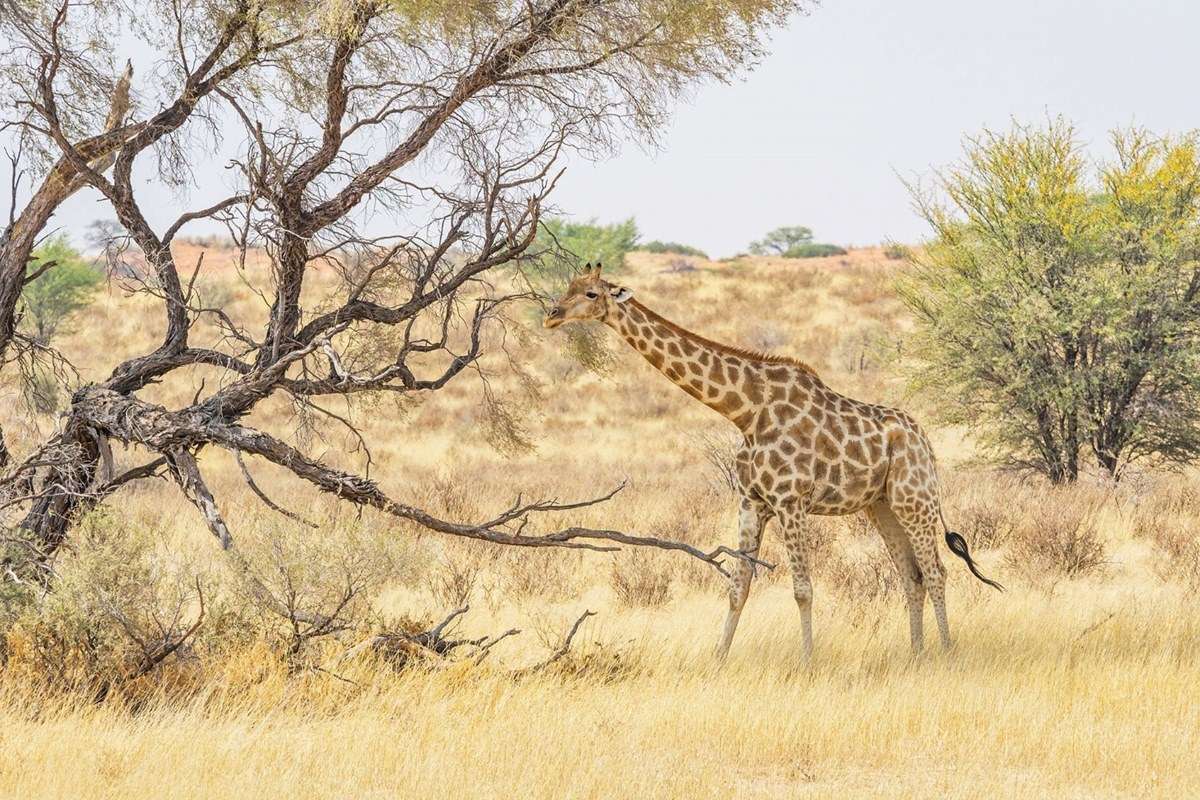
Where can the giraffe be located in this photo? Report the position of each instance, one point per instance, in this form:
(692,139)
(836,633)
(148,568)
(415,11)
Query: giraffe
(806,450)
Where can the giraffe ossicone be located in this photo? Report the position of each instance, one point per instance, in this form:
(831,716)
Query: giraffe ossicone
(806,450)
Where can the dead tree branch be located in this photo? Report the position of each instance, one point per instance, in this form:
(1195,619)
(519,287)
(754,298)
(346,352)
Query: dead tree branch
(496,102)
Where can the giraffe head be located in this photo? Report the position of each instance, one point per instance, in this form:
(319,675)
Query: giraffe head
(587,298)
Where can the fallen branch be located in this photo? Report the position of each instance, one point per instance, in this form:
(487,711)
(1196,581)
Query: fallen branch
(486,644)
(562,649)
(398,647)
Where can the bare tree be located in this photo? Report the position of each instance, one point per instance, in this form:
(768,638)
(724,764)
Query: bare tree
(454,124)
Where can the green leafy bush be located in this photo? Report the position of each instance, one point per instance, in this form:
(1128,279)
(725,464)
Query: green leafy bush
(579,242)
(814,250)
(61,290)
(42,392)
(673,247)
(1056,302)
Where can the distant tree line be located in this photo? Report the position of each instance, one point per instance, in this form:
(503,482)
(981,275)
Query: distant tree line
(592,241)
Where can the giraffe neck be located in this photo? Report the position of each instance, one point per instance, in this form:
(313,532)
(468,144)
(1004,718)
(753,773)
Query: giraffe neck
(722,379)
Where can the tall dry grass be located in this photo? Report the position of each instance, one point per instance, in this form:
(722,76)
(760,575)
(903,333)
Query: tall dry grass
(1080,681)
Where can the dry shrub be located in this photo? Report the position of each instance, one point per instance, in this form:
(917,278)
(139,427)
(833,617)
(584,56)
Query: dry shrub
(1177,553)
(1160,499)
(295,587)
(765,337)
(530,574)
(680,264)
(870,347)
(1166,517)
(641,579)
(824,534)
(862,576)
(116,611)
(821,341)
(794,279)
(453,582)
(396,644)
(1059,536)
(697,514)
(735,293)
(720,449)
(452,498)
(857,526)
(986,508)
(592,666)
(867,290)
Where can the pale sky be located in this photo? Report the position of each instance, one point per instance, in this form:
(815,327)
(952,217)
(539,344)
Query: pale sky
(861,93)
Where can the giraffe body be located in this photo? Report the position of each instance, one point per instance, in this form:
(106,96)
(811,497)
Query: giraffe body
(806,450)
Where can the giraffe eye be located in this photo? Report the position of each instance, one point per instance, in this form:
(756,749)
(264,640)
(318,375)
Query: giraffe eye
(590,295)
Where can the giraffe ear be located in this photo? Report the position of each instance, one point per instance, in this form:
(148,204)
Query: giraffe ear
(620,293)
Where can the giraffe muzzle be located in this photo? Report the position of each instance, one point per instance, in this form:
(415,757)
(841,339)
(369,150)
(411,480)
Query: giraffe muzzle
(553,319)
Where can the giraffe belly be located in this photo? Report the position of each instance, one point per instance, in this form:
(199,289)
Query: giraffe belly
(819,486)
(860,488)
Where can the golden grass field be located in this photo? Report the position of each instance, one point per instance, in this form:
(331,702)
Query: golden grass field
(1082,680)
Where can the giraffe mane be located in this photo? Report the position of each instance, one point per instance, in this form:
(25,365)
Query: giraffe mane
(741,352)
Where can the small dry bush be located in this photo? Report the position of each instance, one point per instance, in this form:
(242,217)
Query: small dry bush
(734,293)
(820,341)
(450,497)
(532,574)
(857,526)
(870,347)
(294,586)
(680,264)
(130,611)
(453,581)
(864,289)
(1156,498)
(1166,517)
(641,579)
(764,337)
(986,507)
(720,448)
(115,610)
(865,575)
(1177,552)
(794,279)
(1059,537)
(825,534)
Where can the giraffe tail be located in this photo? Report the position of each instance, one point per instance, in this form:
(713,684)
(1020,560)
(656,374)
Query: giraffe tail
(958,546)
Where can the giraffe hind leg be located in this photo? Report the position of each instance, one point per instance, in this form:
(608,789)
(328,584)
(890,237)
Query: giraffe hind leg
(895,539)
(920,520)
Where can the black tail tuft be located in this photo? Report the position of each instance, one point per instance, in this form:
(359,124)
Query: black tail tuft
(958,546)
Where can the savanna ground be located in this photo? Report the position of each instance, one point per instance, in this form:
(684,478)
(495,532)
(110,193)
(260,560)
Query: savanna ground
(1081,681)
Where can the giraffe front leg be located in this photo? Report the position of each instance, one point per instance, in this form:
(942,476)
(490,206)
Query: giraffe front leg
(751,519)
(795,537)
